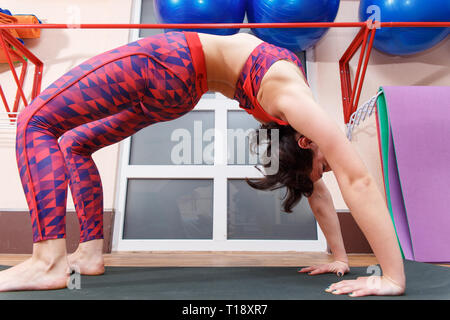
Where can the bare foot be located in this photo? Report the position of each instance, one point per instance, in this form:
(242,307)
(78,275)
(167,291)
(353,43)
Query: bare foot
(34,274)
(88,258)
(86,265)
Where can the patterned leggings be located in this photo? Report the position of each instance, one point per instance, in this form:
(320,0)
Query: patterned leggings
(98,103)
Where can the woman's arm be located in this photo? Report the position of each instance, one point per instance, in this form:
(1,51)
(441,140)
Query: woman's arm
(322,206)
(358,187)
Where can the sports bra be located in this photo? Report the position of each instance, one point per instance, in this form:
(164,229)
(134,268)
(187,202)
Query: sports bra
(249,81)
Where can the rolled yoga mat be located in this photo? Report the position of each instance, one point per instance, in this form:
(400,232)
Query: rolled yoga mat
(414,139)
(423,282)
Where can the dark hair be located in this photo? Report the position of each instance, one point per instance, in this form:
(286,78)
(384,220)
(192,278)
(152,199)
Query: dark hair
(294,165)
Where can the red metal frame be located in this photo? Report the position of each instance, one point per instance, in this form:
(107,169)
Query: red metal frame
(7,41)
(350,94)
(222,25)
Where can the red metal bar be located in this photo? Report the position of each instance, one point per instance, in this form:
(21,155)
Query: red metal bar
(22,79)
(369,50)
(358,70)
(39,65)
(182,25)
(21,82)
(37,80)
(351,96)
(414,24)
(20,51)
(354,46)
(11,66)
(345,72)
(345,88)
(220,25)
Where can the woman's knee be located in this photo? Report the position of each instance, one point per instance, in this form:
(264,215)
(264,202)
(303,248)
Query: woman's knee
(72,143)
(23,119)
(28,120)
(67,142)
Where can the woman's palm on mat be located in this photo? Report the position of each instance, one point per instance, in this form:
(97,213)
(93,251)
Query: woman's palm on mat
(367,286)
(338,267)
(362,286)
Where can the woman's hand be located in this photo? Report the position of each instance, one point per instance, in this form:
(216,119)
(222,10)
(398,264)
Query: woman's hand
(367,286)
(338,267)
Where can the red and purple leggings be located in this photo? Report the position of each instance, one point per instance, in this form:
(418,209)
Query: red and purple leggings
(98,103)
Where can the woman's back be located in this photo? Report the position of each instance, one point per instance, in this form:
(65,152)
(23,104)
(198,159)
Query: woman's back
(225,57)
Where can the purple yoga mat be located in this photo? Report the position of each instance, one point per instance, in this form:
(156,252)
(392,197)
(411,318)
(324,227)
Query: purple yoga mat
(420,123)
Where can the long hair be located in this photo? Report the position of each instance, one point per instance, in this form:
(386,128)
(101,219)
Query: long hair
(294,164)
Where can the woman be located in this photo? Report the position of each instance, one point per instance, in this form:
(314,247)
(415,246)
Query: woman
(160,78)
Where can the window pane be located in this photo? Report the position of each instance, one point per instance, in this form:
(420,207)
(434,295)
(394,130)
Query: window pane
(188,140)
(254,214)
(239,124)
(169,209)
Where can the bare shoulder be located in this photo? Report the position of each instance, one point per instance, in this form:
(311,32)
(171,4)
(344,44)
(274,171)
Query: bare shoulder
(283,83)
(306,116)
(288,70)
(301,110)
(284,78)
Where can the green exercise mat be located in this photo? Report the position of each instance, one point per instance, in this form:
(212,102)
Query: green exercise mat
(385,143)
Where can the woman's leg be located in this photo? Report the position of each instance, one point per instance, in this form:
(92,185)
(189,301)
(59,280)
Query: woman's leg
(102,87)
(87,93)
(78,145)
(41,163)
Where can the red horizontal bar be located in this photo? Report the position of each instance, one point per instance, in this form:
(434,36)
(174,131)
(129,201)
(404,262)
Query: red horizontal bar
(219,25)
(415,24)
(182,25)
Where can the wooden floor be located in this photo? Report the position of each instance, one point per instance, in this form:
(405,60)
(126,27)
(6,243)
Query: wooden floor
(216,259)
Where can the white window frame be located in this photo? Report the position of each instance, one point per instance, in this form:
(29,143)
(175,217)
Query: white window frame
(219,173)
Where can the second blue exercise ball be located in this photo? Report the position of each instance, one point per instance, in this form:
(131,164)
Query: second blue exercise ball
(201,11)
(295,39)
(406,41)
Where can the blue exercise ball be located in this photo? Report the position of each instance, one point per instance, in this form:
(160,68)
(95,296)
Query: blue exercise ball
(295,39)
(406,41)
(201,11)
